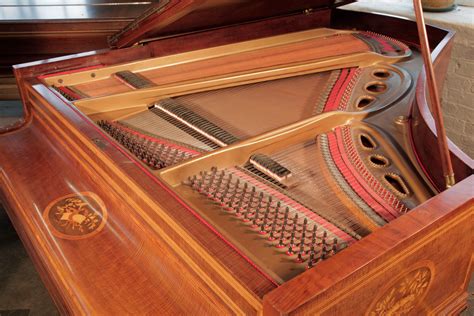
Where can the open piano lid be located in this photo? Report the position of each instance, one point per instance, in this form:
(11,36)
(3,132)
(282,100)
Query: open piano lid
(171,17)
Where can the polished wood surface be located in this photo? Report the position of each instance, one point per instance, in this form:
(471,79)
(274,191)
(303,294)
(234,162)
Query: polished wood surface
(446,163)
(425,130)
(63,10)
(187,16)
(35,30)
(122,256)
(358,281)
(423,127)
(153,256)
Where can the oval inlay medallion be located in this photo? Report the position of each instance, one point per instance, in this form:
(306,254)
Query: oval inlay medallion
(404,294)
(76,216)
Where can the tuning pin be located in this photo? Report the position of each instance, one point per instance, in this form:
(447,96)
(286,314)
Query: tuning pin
(270,200)
(287,212)
(223,196)
(291,244)
(281,243)
(256,218)
(244,193)
(324,250)
(310,260)
(264,223)
(252,195)
(318,256)
(277,209)
(272,232)
(247,212)
(268,210)
(263,231)
(217,187)
(333,248)
(295,219)
(260,199)
(237,184)
(300,258)
(301,251)
(230,203)
(239,207)
(325,235)
(293,230)
(213,175)
(305,224)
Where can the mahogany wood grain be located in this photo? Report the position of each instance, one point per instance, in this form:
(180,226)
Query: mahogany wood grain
(241,32)
(128,254)
(441,42)
(154,256)
(312,49)
(105,263)
(433,94)
(185,16)
(400,28)
(63,10)
(31,31)
(437,234)
(219,249)
(26,42)
(174,45)
(35,31)
(24,71)
(424,131)
(167,46)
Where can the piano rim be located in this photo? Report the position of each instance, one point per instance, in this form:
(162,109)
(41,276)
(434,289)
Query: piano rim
(41,93)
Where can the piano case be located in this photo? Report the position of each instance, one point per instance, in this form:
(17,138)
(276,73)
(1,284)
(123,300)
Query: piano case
(241,157)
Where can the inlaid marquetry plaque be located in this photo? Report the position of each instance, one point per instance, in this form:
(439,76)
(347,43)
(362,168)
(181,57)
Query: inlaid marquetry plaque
(76,216)
(404,294)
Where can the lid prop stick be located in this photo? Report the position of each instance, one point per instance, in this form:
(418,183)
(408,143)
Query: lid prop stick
(434,97)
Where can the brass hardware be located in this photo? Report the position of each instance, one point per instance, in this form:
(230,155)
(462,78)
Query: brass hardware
(450,180)
(401,120)
(433,94)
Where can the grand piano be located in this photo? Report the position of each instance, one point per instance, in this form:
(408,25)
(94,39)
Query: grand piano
(242,157)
